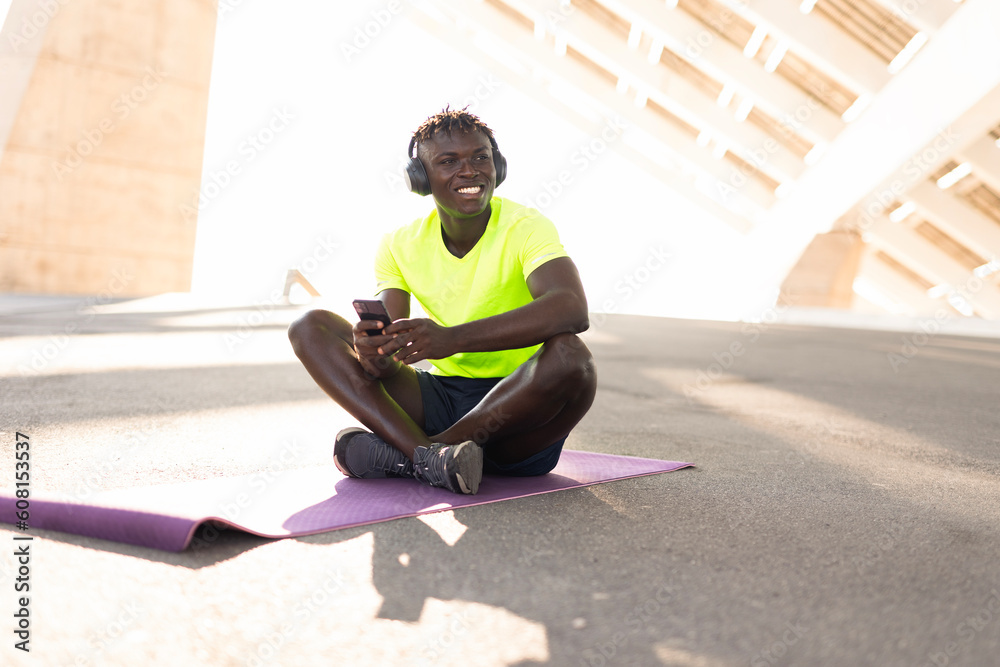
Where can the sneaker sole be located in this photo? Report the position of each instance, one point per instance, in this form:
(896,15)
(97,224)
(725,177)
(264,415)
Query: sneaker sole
(468,461)
(337,450)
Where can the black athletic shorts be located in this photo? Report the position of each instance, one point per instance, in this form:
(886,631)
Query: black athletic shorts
(447,399)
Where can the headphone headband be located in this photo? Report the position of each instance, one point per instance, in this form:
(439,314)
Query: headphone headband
(413,143)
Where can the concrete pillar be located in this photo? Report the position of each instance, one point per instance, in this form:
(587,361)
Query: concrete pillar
(102,128)
(824,275)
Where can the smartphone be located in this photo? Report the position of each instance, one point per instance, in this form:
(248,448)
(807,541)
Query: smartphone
(372,309)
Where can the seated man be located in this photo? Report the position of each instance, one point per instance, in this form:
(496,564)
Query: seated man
(505,302)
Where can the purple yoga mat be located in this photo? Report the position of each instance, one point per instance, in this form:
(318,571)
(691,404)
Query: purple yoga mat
(293,503)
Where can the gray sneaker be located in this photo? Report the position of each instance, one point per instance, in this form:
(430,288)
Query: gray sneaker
(362,454)
(458,468)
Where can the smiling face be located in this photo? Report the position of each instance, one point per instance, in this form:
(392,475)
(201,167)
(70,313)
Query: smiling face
(460,171)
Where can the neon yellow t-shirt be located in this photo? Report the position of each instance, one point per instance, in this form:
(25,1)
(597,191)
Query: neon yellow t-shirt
(489,280)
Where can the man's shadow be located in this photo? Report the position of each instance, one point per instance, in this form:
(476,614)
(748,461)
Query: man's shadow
(530,557)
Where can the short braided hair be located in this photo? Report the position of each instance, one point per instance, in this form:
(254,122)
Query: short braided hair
(451,120)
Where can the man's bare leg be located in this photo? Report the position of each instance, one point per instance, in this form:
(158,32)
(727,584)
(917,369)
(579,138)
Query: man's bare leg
(390,408)
(535,406)
(526,412)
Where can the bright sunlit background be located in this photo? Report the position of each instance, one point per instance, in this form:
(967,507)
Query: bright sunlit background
(331,124)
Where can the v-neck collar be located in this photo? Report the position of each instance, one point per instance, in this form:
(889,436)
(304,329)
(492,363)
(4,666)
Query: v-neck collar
(490,225)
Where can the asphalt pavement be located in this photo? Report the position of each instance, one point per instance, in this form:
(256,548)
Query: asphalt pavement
(845,507)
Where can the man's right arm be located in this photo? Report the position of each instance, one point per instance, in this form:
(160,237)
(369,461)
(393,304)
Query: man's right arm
(397,302)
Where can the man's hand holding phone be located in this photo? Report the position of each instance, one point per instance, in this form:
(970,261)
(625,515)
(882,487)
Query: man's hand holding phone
(419,338)
(409,341)
(368,337)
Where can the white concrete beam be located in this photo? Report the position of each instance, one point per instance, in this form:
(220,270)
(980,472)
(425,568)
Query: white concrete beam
(817,39)
(676,181)
(670,90)
(948,96)
(923,257)
(896,285)
(951,141)
(984,156)
(719,58)
(686,188)
(957,219)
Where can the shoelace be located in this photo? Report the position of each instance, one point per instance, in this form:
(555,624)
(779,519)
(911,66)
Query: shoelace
(382,456)
(426,464)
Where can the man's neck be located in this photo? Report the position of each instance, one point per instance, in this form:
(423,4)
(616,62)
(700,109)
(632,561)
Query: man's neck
(461,235)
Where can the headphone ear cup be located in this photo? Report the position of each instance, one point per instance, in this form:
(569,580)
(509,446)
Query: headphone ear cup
(500,165)
(416,177)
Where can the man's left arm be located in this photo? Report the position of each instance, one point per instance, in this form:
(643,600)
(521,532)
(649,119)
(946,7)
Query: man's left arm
(558,305)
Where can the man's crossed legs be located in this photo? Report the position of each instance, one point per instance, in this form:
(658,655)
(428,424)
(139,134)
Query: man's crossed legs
(518,417)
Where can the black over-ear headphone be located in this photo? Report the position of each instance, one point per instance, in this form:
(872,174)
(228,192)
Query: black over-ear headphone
(416,176)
